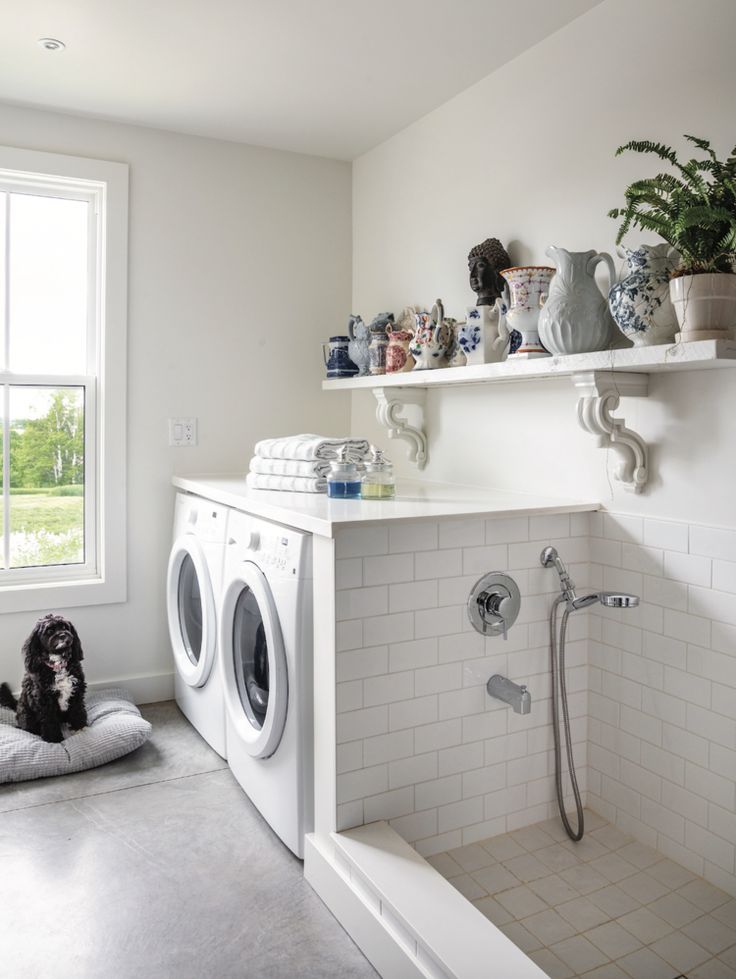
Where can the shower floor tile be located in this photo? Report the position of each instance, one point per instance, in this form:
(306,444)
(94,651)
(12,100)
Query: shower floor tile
(609,907)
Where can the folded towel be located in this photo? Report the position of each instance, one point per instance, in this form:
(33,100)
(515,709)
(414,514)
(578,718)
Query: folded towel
(288,467)
(287,484)
(309,447)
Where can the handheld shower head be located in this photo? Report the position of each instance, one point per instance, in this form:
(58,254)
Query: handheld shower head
(612,599)
(608,598)
(549,558)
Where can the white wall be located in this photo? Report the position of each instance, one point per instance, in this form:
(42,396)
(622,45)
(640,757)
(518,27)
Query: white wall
(239,264)
(526,155)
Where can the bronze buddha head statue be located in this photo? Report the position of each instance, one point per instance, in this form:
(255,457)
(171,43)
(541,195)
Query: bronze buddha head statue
(485,261)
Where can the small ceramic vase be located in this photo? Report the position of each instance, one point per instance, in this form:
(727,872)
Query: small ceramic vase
(377,352)
(398,357)
(431,340)
(484,339)
(451,328)
(526,290)
(575,318)
(336,358)
(640,303)
(455,355)
(360,338)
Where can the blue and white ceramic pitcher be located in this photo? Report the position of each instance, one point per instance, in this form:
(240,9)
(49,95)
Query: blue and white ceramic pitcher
(640,303)
(336,358)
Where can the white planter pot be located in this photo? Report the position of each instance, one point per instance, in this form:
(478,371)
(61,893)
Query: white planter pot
(705,305)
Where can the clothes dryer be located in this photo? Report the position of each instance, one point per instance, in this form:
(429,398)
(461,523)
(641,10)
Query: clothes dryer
(266,650)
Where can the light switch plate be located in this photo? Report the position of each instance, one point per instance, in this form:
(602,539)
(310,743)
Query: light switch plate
(182,431)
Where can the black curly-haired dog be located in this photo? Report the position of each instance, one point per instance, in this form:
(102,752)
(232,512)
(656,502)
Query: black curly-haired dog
(53,687)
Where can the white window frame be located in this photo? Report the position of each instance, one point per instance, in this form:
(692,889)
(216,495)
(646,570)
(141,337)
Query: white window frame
(103,576)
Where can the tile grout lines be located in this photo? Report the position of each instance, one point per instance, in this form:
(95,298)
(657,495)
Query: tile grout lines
(621,903)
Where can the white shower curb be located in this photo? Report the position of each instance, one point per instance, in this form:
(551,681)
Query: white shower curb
(405,917)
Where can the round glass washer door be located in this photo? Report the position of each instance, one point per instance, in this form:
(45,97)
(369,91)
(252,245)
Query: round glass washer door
(190,607)
(254,662)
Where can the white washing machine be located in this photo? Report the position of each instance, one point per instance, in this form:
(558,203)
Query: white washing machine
(193,583)
(266,653)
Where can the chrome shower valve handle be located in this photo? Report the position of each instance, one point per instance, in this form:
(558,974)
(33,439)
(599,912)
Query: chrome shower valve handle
(493,604)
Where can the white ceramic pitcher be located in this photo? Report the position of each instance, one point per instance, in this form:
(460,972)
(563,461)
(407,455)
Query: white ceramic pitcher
(575,318)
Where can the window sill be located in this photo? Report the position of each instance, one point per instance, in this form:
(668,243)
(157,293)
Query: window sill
(58,595)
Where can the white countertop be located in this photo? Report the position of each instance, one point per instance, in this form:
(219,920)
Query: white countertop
(318,514)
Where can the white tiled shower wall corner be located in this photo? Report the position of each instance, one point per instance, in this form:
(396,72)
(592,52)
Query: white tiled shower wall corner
(662,701)
(422,745)
(420,742)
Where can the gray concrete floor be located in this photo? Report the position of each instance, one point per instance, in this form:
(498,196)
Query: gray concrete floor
(157,866)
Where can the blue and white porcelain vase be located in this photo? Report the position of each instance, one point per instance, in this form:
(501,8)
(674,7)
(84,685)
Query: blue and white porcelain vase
(483,337)
(640,303)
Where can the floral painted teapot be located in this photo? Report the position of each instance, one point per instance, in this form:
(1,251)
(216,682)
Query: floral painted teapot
(431,339)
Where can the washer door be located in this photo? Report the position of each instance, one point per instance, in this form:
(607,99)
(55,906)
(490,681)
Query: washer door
(190,605)
(254,662)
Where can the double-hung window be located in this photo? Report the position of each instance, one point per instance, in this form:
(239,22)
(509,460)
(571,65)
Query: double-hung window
(63,257)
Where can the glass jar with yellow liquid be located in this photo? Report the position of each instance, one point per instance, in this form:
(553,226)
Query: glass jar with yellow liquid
(378,481)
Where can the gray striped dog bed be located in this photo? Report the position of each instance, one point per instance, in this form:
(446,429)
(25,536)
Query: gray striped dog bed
(115,728)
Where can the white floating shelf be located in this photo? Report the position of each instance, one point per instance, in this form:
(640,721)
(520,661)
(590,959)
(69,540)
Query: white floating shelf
(698,355)
(601,380)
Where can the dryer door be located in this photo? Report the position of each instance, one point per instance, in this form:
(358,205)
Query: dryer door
(254,661)
(190,605)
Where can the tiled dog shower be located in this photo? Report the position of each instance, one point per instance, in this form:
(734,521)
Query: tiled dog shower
(649,894)
(605,908)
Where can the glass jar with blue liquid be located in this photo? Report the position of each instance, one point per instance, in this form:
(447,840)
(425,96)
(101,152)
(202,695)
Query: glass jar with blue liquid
(343,480)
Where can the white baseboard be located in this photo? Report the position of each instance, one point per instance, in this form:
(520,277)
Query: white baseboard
(148,689)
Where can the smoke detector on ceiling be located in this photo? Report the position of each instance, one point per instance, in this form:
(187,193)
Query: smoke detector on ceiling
(51,44)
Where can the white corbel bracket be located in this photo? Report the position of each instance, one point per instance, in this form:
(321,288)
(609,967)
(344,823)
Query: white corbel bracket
(599,395)
(390,402)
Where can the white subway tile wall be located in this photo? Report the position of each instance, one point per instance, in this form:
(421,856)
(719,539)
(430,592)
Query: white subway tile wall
(420,742)
(652,689)
(662,680)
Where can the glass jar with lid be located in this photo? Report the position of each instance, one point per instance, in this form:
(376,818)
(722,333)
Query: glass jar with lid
(378,479)
(343,479)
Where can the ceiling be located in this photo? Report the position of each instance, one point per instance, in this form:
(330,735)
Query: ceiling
(327,77)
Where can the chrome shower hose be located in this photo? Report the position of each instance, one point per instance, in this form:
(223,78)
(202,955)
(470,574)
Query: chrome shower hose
(559,683)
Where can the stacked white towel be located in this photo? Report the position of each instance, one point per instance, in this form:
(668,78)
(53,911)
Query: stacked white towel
(307,448)
(300,463)
(288,467)
(294,484)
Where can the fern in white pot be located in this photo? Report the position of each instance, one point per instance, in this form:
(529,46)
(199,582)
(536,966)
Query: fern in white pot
(694,210)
